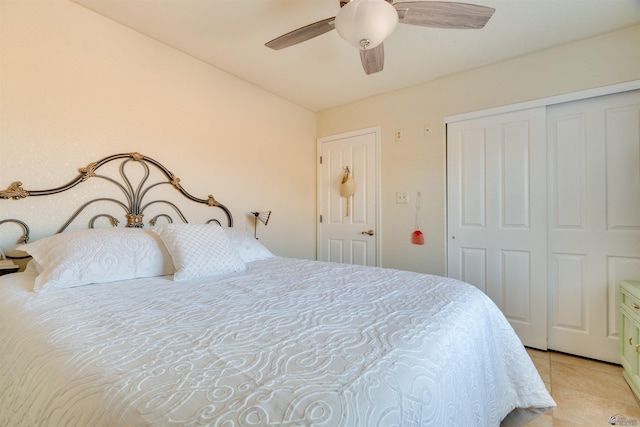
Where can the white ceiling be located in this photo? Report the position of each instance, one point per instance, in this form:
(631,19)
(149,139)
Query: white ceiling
(326,71)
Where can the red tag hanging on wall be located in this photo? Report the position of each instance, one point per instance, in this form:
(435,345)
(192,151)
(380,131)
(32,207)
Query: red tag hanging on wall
(417,238)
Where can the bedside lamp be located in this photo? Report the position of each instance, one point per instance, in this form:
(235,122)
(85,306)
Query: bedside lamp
(263,217)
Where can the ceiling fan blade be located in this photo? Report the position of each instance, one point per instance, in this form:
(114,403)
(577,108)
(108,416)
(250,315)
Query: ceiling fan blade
(302,34)
(372,59)
(441,14)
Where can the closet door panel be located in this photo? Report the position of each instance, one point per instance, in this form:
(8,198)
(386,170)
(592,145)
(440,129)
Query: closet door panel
(568,310)
(515,175)
(623,170)
(568,171)
(473,267)
(496,179)
(472,163)
(594,211)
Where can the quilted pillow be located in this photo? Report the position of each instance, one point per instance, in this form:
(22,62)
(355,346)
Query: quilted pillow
(199,250)
(248,247)
(76,258)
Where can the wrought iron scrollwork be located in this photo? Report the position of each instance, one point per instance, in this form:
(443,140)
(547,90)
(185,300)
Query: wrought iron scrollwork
(15,191)
(112,220)
(25,230)
(133,195)
(24,238)
(88,172)
(153,221)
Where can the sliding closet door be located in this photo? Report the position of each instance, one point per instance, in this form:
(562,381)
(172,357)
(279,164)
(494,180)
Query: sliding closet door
(594,219)
(497,214)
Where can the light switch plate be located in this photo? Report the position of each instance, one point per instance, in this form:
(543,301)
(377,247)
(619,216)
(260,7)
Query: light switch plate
(401,197)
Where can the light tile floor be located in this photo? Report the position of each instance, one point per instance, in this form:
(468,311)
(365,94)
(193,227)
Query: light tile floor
(586,391)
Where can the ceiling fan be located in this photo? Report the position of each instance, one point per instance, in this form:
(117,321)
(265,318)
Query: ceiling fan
(366,23)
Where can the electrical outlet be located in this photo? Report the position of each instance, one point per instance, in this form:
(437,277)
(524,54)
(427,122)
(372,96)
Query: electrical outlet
(401,197)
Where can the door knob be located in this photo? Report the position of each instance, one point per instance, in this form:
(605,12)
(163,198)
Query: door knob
(370,232)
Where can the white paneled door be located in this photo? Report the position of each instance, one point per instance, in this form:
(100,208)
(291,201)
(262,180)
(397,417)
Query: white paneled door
(594,219)
(348,227)
(496,171)
(544,216)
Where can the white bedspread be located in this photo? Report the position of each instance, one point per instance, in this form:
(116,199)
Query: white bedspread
(289,342)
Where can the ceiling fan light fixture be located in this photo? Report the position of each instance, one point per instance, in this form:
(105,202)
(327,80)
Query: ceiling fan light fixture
(366,23)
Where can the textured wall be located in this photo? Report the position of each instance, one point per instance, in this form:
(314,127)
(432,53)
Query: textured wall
(417,163)
(76,87)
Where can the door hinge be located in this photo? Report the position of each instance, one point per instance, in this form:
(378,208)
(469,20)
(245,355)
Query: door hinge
(320,218)
(320,159)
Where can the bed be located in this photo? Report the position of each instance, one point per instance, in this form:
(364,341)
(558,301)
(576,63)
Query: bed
(199,324)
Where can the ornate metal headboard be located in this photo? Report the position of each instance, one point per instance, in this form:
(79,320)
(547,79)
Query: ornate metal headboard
(134,201)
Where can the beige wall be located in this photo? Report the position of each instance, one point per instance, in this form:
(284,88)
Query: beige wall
(76,87)
(417,163)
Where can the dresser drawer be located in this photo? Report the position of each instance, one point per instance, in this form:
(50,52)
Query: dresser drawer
(630,333)
(631,302)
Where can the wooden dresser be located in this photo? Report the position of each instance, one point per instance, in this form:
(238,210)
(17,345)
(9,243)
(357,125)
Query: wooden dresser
(630,333)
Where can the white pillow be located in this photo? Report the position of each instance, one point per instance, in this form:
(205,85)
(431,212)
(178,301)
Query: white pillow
(199,250)
(248,247)
(76,258)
